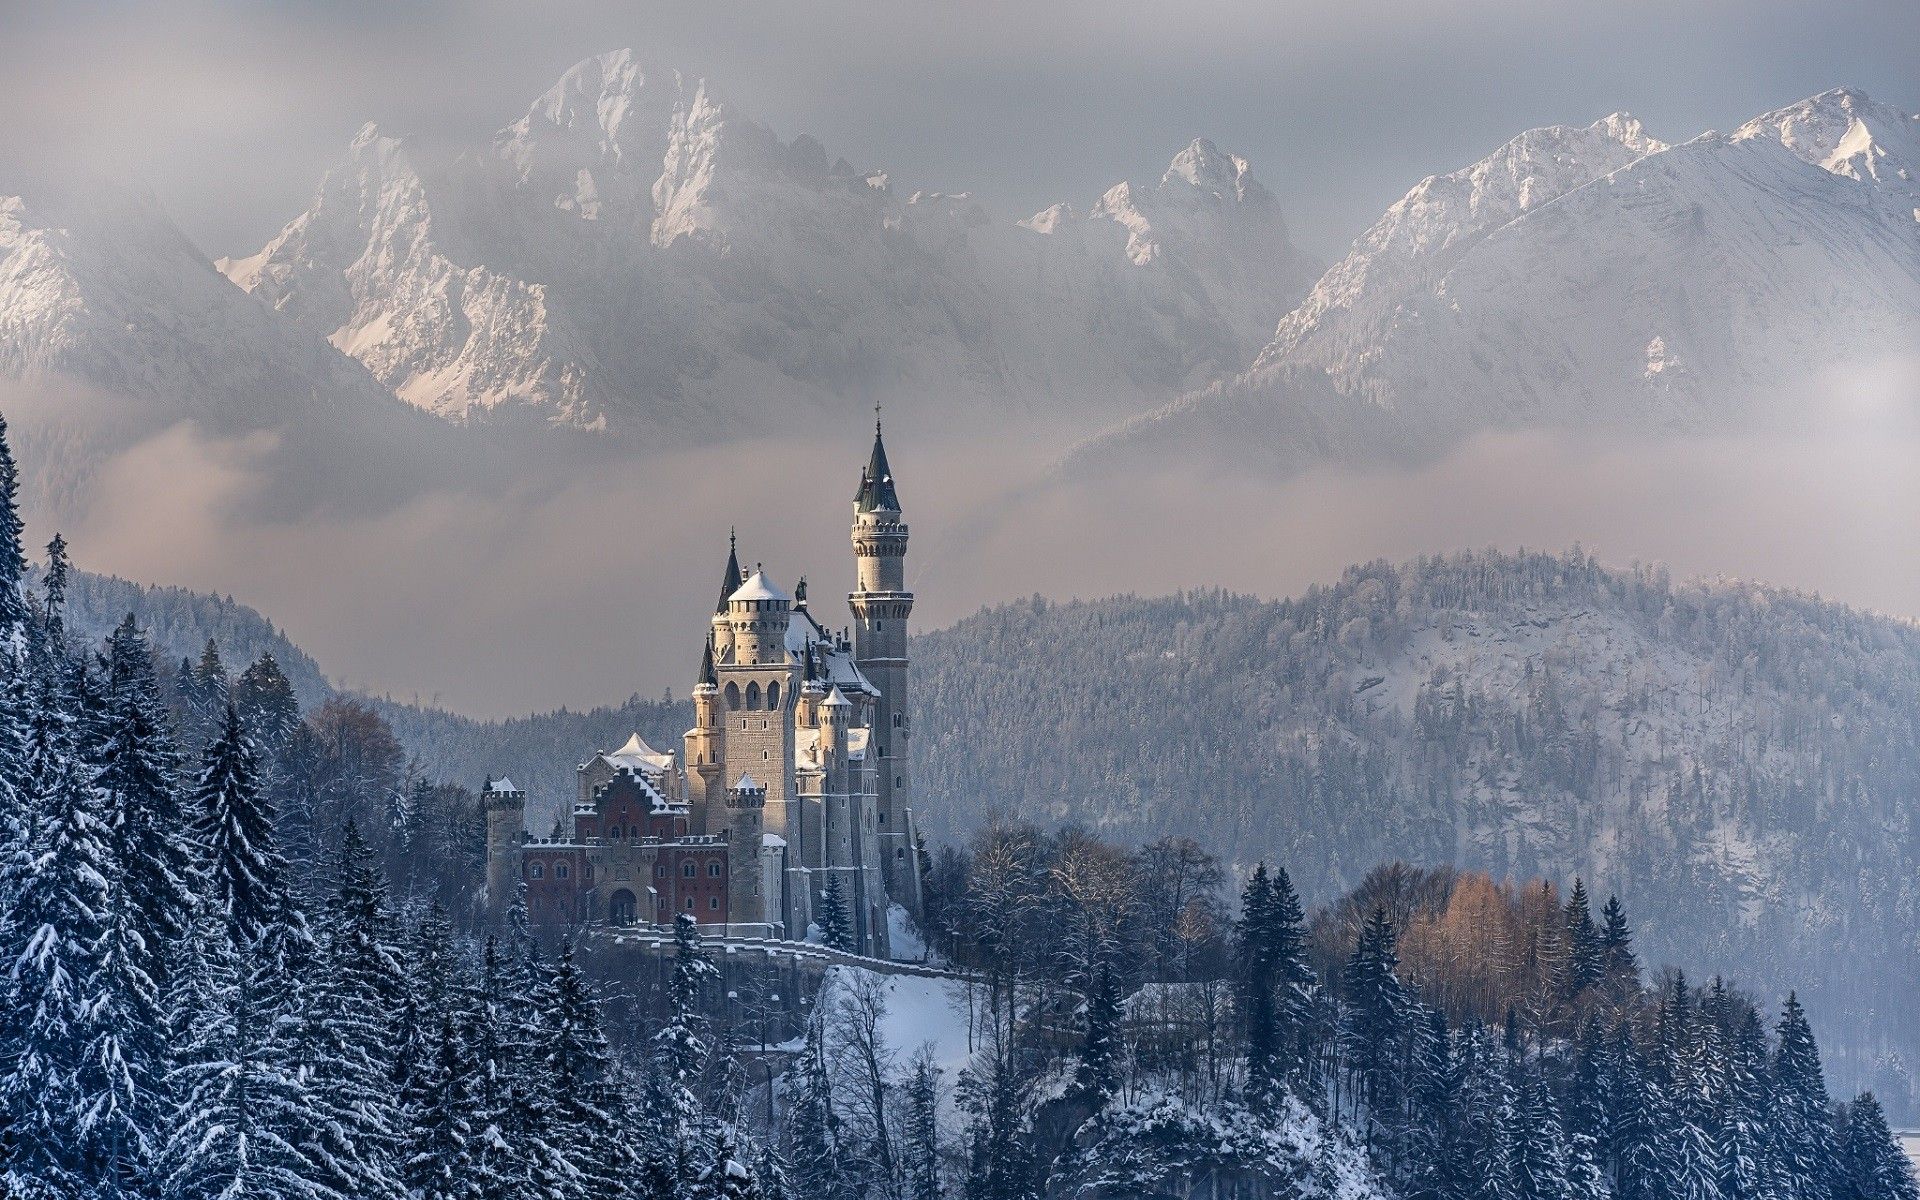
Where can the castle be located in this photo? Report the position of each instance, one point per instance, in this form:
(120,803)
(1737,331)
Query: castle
(791,793)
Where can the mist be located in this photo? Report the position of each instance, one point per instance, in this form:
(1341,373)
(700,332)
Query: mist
(576,575)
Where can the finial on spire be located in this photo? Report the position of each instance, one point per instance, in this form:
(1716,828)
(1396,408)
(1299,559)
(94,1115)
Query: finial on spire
(876,417)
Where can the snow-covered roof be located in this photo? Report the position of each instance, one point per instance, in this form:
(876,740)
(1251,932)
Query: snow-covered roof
(636,755)
(837,699)
(841,670)
(746,784)
(758,587)
(500,787)
(806,748)
(857,740)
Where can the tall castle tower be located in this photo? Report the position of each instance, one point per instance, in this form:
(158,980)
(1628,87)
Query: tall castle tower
(881,605)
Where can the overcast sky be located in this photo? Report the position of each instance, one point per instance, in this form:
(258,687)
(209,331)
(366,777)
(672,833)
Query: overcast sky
(229,112)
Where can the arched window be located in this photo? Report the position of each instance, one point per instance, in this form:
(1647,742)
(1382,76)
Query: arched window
(686,869)
(713,902)
(614,833)
(733,695)
(536,870)
(660,872)
(713,869)
(559,870)
(620,907)
(689,903)
(753,695)
(773,696)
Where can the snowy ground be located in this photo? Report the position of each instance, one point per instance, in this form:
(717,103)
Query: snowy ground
(1910,1142)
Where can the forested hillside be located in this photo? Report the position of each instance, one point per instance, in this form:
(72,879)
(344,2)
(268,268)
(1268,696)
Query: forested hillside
(1741,758)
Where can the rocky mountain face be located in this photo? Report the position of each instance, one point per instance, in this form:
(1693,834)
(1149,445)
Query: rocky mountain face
(114,328)
(96,284)
(636,255)
(1592,277)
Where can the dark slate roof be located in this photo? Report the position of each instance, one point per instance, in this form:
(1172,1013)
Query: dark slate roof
(731,582)
(876,482)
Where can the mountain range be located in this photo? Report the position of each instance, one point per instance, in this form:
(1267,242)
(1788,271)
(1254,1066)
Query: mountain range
(635,255)
(1588,278)
(636,258)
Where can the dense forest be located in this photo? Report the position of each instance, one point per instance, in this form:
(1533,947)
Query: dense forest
(244,958)
(1745,760)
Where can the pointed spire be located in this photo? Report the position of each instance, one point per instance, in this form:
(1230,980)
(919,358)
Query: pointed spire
(731,582)
(708,676)
(876,481)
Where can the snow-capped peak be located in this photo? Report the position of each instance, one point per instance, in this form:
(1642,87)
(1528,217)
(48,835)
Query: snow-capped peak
(1848,133)
(1204,166)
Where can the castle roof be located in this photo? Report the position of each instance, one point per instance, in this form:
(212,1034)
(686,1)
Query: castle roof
(838,699)
(730,580)
(636,755)
(758,587)
(746,784)
(876,481)
(501,786)
(837,666)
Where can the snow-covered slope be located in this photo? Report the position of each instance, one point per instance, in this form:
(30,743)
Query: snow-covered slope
(97,285)
(1593,277)
(637,255)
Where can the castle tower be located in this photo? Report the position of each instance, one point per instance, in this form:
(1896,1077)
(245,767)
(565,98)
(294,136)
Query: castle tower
(506,808)
(881,605)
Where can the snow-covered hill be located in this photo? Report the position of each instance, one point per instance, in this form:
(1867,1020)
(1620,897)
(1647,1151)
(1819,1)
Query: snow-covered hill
(1593,277)
(637,255)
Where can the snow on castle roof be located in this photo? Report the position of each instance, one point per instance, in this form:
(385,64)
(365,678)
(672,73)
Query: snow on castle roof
(501,786)
(757,587)
(638,756)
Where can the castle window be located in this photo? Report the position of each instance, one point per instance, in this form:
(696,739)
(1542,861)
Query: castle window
(689,903)
(686,869)
(733,696)
(536,870)
(896,720)
(900,853)
(773,695)
(883,818)
(766,756)
(713,902)
(559,870)
(753,695)
(713,869)
(660,872)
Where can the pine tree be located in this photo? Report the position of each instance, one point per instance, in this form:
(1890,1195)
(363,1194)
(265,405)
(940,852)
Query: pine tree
(139,784)
(13,557)
(1617,960)
(347,1030)
(835,928)
(1737,1083)
(267,704)
(1097,1071)
(234,820)
(1259,1016)
(573,1067)
(1642,1157)
(921,1148)
(1295,985)
(1487,1116)
(240,1105)
(53,587)
(1375,1020)
(1539,1146)
(56,893)
(1585,963)
(1803,1166)
(446,1151)
(1872,1164)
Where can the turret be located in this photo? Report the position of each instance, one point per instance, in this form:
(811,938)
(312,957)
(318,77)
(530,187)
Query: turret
(757,613)
(506,809)
(881,605)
